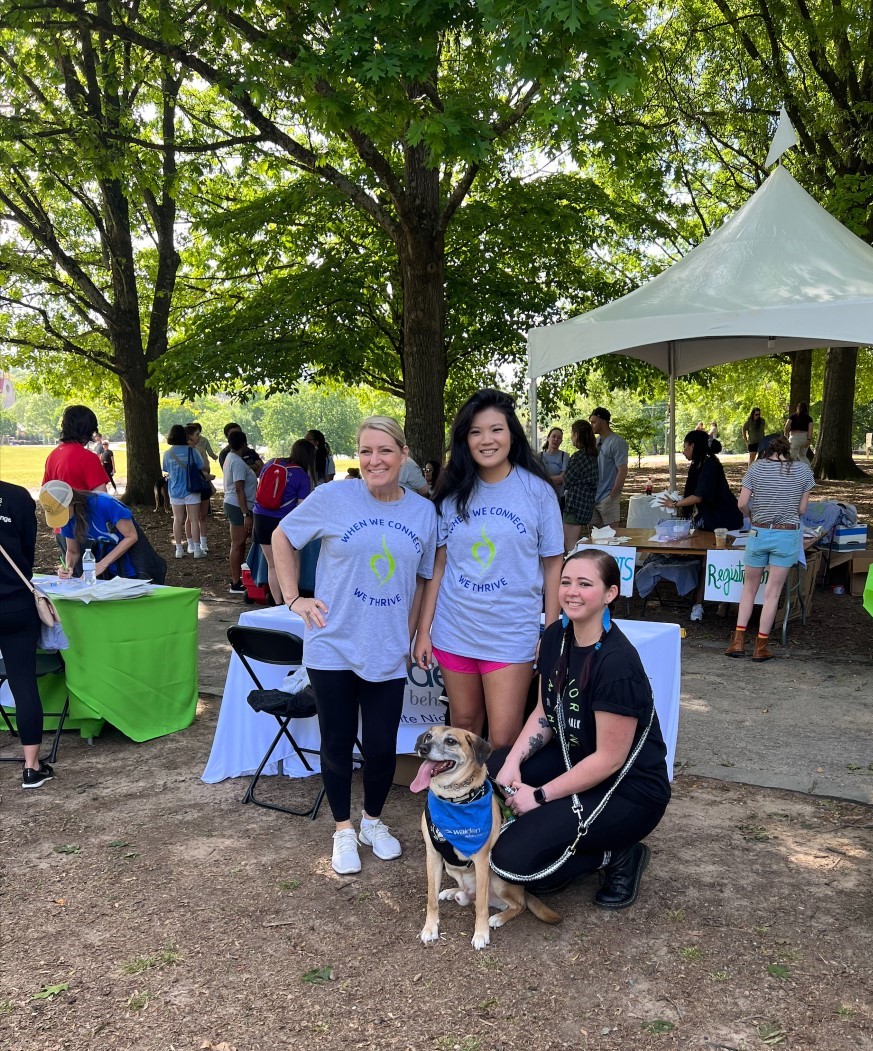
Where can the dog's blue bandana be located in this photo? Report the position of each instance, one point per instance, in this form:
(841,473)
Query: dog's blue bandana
(464,826)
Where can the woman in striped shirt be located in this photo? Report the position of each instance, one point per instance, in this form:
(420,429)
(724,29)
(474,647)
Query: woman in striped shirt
(774,494)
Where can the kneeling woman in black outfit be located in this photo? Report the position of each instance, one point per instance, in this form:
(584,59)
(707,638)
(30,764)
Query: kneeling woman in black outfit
(596,700)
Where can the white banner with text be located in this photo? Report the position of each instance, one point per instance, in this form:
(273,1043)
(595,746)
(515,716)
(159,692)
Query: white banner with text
(725,573)
(627,563)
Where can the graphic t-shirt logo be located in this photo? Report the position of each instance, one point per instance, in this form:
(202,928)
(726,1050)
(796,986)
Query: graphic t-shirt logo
(382,566)
(483,550)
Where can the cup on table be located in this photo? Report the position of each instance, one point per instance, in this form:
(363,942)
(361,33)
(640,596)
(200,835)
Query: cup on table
(720,537)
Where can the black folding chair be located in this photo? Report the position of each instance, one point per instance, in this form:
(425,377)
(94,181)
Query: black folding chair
(275,647)
(50,663)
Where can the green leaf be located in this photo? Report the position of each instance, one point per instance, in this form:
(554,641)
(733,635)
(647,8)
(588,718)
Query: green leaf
(68,848)
(49,991)
(779,970)
(318,976)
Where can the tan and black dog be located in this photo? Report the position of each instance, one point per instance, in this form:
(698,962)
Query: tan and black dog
(454,771)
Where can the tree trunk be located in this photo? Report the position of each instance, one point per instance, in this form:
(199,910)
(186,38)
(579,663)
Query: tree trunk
(422,265)
(141,428)
(801,378)
(833,445)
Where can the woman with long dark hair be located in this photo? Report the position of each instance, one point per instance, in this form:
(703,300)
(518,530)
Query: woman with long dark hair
(184,503)
(325,468)
(754,430)
(432,472)
(774,493)
(591,751)
(798,431)
(708,499)
(498,551)
(580,483)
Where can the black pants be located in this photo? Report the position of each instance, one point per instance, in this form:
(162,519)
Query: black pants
(19,634)
(539,837)
(339,697)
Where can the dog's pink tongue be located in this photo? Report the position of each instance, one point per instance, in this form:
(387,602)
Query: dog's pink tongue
(422,778)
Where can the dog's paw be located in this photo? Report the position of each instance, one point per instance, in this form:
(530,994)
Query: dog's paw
(459,897)
(481,940)
(497,920)
(429,935)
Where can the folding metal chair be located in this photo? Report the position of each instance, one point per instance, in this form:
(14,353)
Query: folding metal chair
(51,663)
(282,648)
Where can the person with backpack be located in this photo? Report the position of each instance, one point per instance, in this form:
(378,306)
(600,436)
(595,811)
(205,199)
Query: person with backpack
(283,483)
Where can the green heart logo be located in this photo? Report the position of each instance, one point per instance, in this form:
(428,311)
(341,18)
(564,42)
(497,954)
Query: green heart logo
(483,551)
(389,564)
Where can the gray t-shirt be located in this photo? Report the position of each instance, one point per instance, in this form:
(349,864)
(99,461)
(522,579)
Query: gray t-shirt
(491,597)
(371,554)
(235,470)
(555,463)
(613,454)
(411,476)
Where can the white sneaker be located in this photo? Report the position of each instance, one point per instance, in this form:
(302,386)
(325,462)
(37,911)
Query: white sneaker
(204,547)
(697,611)
(376,835)
(197,551)
(180,551)
(345,859)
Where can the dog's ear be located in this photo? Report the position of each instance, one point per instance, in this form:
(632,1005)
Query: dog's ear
(481,749)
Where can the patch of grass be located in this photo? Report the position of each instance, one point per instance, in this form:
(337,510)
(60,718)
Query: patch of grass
(168,955)
(690,952)
(771,1033)
(657,1026)
(68,848)
(675,915)
(486,1005)
(485,961)
(843,1011)
(720,976)
(753,833)
(289,884)
(24,464)
(778,970)
(138,1001)
(7,1007)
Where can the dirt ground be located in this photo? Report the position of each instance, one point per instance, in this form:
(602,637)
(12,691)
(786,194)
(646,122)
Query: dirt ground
(145,911)
(142,910)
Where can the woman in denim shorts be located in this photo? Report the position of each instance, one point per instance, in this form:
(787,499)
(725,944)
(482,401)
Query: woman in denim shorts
(774,494)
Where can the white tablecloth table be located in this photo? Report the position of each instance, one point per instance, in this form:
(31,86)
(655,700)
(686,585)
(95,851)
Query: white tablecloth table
(641,514)
(243,736)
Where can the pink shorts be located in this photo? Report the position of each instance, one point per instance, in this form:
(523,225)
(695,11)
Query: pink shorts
(466,665)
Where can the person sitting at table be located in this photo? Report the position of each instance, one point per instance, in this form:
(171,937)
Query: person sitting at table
(594,739)
(20,626)
(775,492)
(92,520)
(377,548)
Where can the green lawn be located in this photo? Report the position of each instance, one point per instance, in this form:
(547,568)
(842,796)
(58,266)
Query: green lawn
(24,464)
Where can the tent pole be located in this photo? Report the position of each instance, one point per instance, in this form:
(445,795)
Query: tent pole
(532,399)
(671,448)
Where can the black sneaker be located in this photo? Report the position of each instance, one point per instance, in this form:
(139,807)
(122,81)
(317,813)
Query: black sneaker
(36,778)
(238,589)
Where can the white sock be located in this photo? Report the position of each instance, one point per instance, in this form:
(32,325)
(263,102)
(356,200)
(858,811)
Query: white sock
(368,820)
(193,548)
(180,550)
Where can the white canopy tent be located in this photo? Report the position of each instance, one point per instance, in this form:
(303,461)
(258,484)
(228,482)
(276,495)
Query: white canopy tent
(780,275)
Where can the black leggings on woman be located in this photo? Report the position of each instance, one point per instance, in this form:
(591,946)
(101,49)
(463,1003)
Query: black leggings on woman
(339,697)
(539,837)
(19,635)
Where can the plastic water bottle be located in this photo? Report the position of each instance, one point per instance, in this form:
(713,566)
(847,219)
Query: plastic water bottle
(88,564)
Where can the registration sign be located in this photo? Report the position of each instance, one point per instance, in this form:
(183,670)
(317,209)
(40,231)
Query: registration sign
(725,573)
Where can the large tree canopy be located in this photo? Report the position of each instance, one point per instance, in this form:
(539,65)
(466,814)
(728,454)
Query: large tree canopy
(399,107)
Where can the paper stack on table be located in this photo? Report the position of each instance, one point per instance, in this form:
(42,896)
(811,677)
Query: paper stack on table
(666,495)
(606,535)
(99,591)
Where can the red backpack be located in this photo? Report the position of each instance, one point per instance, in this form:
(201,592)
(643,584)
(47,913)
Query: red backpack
(271,486)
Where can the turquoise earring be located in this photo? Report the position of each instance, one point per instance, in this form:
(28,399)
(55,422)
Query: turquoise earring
(565,621)
(607,619)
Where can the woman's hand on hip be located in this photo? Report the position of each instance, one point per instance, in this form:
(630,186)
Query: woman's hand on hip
(313,611)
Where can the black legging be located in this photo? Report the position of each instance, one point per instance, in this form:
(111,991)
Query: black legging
(339,697)
(19,634)
(539,837)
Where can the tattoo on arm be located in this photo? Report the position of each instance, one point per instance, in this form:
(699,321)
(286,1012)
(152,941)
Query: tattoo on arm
(543,721)
(534,744)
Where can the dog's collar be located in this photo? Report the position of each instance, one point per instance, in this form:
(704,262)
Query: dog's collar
(471,796)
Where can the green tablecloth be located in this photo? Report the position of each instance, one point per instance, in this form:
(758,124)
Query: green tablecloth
(131,663)
(868,592)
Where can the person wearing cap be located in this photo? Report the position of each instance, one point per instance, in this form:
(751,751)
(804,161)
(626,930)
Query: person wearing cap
(613,456)
(19,626)
(91,520)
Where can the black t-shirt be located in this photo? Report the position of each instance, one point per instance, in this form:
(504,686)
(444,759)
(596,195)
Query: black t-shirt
(799,422)
(18,537)
(718,508)
(617,683)
(248,455)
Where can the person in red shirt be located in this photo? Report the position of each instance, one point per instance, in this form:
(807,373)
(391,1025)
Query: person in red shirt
(71,462)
